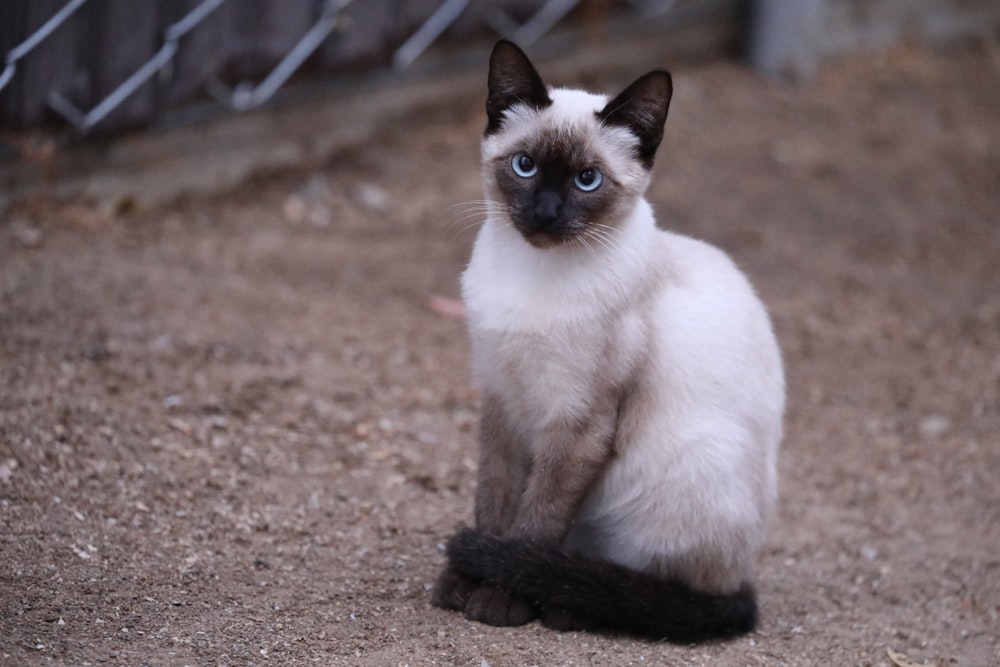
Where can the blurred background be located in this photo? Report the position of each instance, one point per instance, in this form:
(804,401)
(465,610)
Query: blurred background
(97,68)
(109,64)
(104,65)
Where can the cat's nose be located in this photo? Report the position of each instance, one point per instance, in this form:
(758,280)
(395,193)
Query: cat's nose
(547,206)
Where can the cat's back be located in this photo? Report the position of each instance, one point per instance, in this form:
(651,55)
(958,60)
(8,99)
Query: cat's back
(695,479)
(705,283)
(712,329)
(698,265)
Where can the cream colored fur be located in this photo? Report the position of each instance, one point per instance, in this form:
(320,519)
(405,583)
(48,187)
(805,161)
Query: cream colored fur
(662,326)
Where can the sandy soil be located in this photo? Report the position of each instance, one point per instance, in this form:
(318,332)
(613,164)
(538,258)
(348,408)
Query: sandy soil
(232,432)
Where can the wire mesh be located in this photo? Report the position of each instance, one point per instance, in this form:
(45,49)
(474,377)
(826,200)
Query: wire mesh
(332,16)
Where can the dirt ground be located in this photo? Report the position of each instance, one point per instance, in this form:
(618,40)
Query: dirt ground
(233,430)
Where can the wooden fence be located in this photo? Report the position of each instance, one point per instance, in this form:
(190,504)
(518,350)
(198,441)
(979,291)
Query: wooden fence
(115,63)
(105,42)
(108,64)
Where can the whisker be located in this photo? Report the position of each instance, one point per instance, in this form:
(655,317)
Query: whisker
(603,243)
(603,235)
(580,240)
(475,204)
(473,213)
(463,229)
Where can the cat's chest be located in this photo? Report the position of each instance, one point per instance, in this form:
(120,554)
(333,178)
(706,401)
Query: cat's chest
(559,373)
(540,377)
(552,330)
(530,302)
(510,287)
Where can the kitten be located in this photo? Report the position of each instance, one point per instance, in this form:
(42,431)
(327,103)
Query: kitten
(632,387)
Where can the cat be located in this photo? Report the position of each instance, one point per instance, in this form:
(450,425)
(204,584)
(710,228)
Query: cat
(632,386)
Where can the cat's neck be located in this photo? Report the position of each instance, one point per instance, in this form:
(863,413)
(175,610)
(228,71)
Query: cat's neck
(541,286)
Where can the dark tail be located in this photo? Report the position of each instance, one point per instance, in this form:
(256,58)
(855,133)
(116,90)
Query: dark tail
(600,595)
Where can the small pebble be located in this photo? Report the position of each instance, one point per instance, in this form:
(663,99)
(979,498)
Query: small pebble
(935,425)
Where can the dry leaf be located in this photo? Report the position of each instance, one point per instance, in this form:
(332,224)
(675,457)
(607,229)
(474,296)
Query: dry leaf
(901,660)
(180,426)
(448,308)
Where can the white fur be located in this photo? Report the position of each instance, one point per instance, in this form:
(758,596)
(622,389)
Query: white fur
(700,479)
(696,481)
(532,314)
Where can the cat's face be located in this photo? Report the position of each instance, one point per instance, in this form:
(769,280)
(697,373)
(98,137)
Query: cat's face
(566,165)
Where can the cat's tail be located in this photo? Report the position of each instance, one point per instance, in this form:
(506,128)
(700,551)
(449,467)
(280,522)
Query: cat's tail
(575,592)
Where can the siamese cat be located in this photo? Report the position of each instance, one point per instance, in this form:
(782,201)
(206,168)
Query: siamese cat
(632,388)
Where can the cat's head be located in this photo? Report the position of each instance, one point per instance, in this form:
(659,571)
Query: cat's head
(564,163)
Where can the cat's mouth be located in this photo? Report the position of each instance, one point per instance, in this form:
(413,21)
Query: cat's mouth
(547,233)
(546,239)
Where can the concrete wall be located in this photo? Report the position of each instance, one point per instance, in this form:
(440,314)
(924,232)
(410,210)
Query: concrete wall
(792,37)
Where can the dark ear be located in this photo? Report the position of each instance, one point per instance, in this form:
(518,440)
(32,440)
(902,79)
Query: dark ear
(642,108)
(513,80)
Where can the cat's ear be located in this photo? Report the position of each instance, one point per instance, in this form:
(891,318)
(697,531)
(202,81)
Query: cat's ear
(642,108)
(513,80)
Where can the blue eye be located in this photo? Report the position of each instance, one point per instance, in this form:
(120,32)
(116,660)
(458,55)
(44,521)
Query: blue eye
(589,180)
(523,165)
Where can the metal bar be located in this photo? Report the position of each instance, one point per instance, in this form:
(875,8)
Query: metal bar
(7,75)
(496,19)
(443,16)
(35,39)
(246,96)
(543,20)
(188,23)
(44,31)
(84,121)
(87,120)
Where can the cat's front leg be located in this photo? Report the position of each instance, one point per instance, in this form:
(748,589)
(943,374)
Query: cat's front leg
(568,462)
(504,465)
(566,465)
(503,471)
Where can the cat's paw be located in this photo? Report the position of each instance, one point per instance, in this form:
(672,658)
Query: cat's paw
(453,590)
(563,620)
(493,606)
